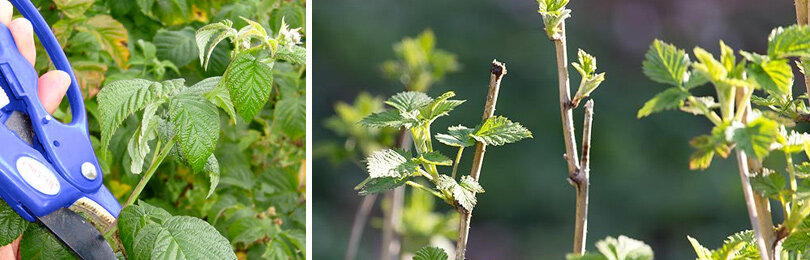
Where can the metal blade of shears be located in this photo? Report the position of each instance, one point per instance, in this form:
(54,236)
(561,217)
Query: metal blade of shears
(78,234)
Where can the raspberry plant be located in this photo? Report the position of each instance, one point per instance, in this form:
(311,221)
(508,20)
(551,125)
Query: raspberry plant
(209,161)
(758,129)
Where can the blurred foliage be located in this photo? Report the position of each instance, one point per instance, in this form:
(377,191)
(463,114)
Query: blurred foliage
(259,147)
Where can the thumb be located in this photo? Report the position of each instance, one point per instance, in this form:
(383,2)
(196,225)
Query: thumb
(52,88)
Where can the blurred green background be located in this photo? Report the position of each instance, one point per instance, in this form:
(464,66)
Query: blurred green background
(640,182)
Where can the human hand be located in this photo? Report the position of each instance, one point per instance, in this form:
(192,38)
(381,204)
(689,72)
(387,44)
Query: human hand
(51,86)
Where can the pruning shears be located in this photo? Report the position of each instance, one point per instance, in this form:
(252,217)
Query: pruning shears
(48,169)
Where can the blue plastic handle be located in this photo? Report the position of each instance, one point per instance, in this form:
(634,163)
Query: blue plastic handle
(52,173)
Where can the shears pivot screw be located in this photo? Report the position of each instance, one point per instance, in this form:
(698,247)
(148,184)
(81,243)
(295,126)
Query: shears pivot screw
(89,171)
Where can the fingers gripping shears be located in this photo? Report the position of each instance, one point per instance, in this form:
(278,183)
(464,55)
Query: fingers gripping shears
(48,169)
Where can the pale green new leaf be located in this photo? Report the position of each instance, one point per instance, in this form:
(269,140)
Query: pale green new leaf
(196,127)
(464,197)
(120,99)
(212,168)
(700,105)
(216,31)
(13,225)
(385,163)
(664,63)
(498,130)
(435,158)
(586,86)
(388,118)
(775,76)
(178,46)
(138,146)
(215,93)
(768,184)
(793,41)
(249,80)
(471,184)
(668,99)
(702,252)
(458,136)
(709,66)
(756,137)
(378,185)
(439,107)
(133,218)
(430,253)
(409,101)
(624,248)
(553,13)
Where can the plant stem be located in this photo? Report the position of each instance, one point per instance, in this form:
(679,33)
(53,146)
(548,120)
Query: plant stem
(765,250)
(497,70)
(358,225)
(802,9)
(422,187)
(390,242)
(458,160)
(582,182)
(761,205)
(792,175)
(157,159)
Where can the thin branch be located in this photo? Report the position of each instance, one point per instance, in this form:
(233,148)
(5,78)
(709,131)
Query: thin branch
(802,11)
(753,215)
(496,74)
(566,107)
(762,219)
(582,183)
(359,225)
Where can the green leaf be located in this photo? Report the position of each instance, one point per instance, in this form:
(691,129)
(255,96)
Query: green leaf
(471,184)
(463,196)
(120,99)
(148,232)
(388,118)
(111,35)
(669,99)
(38,243)
(740,245)
(793,41)
(430,253)
(458,136)
(290,115)
(73,8)
(178,46)
(439,107)
(590,81)
(664,63)
(498,130)
(435,158)
(700,105)
(702,252)
(209,36)
(133,218)
(800,238)
(624,248)
(13,225)
(775,76)
(378,185)
(409,101)
(553,13)
(768,184)
(292,54)
(709,66)
(385,163)
(249,81)
(756,137)
(727,57)
(706,146)
(138,146)
(215,93)
(181,237)
(212,168)
(196,127)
